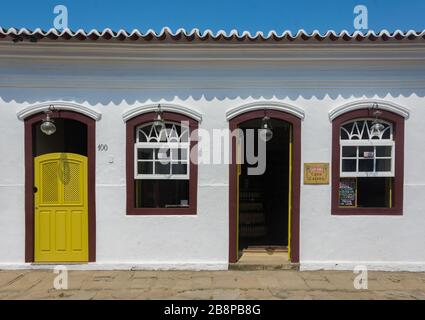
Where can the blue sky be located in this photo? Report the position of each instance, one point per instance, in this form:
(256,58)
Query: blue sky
(258,15)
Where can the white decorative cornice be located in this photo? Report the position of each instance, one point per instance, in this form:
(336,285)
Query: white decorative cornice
(58,105)
(189,52)
(367,104)
(268,105)
(134,112)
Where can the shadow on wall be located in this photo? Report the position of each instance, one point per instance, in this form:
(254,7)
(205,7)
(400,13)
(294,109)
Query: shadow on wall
(100,97)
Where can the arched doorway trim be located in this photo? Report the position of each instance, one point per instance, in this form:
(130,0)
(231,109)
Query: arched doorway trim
(295,121)
(265,105)
(58,105)
(30,121)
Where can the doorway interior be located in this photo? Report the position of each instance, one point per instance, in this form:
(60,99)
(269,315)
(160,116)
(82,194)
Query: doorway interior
(264,201)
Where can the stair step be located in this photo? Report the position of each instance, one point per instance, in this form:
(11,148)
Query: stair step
(267,267)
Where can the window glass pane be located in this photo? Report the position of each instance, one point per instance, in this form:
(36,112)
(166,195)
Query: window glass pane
(145,154)
(383,165)
(349,152)
(370,192)
(366,152)
(162,154)
(184,135)
(387,134)
(383,151)
(143,134)
(161,168)
(344,135)
(374,192)
(183,154)
(179,168)
(145,167)
(179,154)
(161,193)
(349,165)
(365,135)
(366,165)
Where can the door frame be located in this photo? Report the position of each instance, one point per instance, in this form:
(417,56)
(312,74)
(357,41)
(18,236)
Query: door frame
(29,179)
(296,180)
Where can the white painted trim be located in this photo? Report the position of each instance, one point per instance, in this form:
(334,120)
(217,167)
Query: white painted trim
(195,266)
(265,105)
(367,104)
(103,83)
(190,52)
(394,266)
(58,105)
(168,107)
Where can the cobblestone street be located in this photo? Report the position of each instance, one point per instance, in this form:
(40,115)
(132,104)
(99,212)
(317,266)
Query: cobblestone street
(86,285)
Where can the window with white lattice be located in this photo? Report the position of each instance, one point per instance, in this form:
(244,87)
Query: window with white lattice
(162,171)
(365,151)
(367,163)
(162,154)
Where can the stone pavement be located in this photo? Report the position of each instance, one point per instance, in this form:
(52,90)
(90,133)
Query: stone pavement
(285,284)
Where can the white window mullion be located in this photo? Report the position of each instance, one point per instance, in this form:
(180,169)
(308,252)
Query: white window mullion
(152,143)
(352,140)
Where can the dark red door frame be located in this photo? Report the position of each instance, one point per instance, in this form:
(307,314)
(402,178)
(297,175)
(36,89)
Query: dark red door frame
(29,179)
(296,180)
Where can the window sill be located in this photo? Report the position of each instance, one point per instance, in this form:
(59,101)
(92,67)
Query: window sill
(367,211)
(175,211)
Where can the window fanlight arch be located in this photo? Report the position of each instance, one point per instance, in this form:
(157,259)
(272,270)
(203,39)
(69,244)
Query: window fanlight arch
(172,133)
(362,129)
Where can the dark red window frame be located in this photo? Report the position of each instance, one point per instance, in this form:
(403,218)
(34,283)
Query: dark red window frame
(131,125)
(398,181)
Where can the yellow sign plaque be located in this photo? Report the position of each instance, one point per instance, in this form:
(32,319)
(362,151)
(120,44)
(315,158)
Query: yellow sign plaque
(316,173)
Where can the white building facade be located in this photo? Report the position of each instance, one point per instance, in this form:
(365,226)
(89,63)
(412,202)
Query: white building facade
(309,81)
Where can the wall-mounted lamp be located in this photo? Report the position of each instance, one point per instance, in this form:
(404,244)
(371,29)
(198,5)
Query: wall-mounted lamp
(377,126)
(48,126)
(266,130)
(159,123)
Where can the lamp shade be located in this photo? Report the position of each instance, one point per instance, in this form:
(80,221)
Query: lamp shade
(266,130)
(48,126)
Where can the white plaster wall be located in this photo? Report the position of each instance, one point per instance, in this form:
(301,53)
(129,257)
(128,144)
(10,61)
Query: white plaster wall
(212,88)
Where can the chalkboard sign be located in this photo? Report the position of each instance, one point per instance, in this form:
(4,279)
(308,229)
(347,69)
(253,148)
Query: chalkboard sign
(348,192)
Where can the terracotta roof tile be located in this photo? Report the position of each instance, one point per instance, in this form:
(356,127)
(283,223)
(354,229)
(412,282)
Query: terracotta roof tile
(195,35)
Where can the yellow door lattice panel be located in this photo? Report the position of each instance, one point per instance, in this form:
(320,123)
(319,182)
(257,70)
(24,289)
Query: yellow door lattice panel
(49,183)
(72,183)
(61,208)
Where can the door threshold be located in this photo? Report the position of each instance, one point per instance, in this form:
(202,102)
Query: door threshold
(262,266)
(58,263)
(266,249)
(260,259)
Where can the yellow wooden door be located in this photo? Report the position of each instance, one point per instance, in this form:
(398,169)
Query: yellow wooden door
(61,210)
